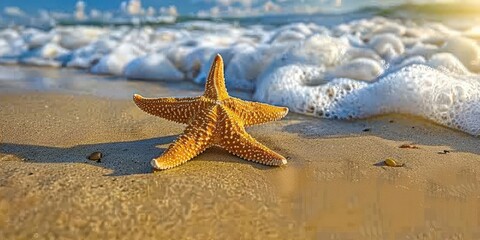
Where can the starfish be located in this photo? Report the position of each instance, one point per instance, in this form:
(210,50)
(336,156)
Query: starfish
(213,119)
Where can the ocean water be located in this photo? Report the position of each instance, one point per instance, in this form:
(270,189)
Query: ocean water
(422,61)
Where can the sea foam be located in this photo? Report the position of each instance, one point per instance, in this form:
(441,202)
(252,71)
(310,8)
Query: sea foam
(417,89)
(356,69)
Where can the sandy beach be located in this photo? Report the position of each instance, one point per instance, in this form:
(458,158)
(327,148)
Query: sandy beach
(382,135)
(334,186)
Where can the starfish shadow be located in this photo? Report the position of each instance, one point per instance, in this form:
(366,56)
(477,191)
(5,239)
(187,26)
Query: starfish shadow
(218,154)
(123,158)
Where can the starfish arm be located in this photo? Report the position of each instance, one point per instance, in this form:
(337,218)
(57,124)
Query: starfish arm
(253,113)
(215,86)
(179,110)
(195,139)
(237,141)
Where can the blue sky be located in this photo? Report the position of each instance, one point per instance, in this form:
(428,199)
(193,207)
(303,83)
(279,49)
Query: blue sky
(187,7)
(31,6)
(183,6)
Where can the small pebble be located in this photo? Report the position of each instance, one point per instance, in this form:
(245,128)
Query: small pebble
(411,146)
(391,121)
(393,163)
(95,156)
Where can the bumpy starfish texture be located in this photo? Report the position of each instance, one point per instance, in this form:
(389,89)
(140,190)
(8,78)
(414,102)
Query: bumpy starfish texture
(214,119)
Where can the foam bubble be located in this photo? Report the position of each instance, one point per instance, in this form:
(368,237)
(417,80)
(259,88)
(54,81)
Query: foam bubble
(448,62)
(4,47)
(390,27)
(294,32)
(76,37)
(35,38)
(360,69)
(247,63)
(421,49)
(153,67)
(466,50)
(44,56)
(114,62)
(387,45)
(13,45)
(320,50)
(86,57)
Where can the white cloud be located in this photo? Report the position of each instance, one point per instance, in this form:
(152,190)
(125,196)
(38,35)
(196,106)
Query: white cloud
(170,11)
(226,3)
(270,6)
(123,6)
(240,8)
(80,10)
(338,3)
(134,7)
(215,11)
(150,11)
(94,13)
(14,11)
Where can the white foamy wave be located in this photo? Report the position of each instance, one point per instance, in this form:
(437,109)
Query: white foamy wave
(115,61)
(417,89)
(353,70)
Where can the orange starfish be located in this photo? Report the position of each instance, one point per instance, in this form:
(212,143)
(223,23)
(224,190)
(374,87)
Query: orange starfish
(214,119)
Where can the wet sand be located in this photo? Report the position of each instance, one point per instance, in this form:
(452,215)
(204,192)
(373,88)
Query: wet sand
(334,186)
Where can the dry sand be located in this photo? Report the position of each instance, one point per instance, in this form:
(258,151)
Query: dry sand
(332,188)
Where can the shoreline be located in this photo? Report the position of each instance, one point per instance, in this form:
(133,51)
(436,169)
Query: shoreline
(331,187)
